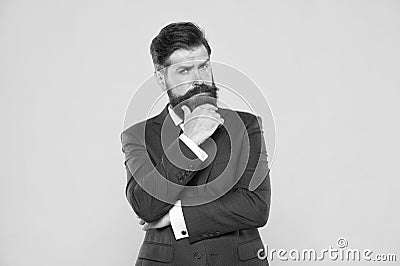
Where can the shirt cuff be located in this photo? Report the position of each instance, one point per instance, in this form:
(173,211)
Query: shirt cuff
(200,153)
(178,221)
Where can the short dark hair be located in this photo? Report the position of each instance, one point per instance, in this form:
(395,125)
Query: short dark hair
(175,36)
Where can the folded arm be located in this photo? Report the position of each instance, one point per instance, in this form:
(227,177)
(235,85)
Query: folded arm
(240,208)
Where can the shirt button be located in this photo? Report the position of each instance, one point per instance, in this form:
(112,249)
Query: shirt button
(183,232)
(197,255)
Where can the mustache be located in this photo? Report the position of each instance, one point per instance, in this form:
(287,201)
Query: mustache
(197,89)
(200,88)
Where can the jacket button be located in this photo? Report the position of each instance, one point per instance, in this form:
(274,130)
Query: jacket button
(197,255)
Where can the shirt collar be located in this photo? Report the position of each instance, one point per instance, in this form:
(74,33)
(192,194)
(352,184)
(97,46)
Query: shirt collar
(177,120)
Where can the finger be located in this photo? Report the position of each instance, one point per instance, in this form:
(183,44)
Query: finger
(146,226)
(218,120)
(208,106)
(186,111)
(211,115)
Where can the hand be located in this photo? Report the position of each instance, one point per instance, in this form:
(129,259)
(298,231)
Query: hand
(201,123)
(162,222)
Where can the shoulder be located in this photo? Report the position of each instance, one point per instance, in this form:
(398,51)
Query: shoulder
(137,130)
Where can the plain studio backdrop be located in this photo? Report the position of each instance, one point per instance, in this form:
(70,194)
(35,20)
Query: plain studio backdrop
(68,69)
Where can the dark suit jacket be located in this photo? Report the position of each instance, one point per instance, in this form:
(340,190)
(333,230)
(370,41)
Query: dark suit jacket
(161,169)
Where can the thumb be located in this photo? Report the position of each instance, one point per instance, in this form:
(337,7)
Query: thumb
(186,110)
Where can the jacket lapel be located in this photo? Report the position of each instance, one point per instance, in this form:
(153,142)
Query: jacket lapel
(165,128)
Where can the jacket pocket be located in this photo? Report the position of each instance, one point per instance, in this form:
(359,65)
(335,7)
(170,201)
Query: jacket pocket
(248,250)
(156,251)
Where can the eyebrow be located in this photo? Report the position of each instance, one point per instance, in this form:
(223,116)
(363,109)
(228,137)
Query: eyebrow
(191,66)
(205,62)
(184,67)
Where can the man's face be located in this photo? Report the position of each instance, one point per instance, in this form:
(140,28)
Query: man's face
(189,79)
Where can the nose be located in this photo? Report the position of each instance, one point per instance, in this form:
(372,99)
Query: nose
(196,76)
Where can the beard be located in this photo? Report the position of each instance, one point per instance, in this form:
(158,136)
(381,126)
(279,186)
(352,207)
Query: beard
(199,95)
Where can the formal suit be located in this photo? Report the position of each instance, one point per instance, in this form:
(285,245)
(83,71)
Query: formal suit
(222,230)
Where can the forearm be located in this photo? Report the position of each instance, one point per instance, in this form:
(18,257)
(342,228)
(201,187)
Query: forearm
(239,209)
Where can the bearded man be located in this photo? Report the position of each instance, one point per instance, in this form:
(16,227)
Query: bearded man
(189,168)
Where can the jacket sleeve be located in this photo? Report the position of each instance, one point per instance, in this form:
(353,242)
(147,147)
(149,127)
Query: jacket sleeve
(241,207)
(152,189)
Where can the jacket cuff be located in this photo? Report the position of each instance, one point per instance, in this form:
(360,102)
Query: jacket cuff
(199,152)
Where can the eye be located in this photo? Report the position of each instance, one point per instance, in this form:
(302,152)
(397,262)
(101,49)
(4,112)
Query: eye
(184,71)
(205,66)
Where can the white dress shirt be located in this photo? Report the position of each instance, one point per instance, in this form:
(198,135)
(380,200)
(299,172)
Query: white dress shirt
(175,213)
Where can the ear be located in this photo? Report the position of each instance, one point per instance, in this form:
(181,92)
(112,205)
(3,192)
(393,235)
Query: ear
(159,75)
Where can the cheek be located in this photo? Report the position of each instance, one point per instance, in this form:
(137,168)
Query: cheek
(177,86)
(207,77)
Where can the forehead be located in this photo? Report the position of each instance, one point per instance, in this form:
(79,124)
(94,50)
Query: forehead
(182,55)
